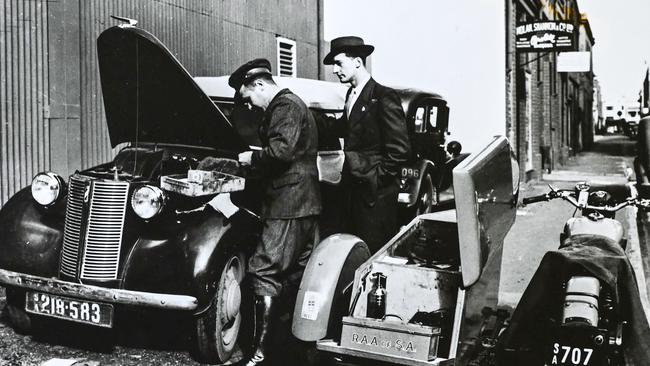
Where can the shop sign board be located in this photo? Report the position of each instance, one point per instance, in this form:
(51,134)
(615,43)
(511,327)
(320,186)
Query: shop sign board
(549,36)
(574,62)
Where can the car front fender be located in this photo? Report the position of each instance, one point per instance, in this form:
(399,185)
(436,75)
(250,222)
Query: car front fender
(186,263)
(30,235)
(328,274)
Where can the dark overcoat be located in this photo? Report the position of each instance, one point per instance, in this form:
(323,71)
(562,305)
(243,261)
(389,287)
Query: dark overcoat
(376,144)
(287,161)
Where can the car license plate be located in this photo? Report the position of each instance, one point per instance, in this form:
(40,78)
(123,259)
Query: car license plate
(82,311)
(570,355)
(410,173)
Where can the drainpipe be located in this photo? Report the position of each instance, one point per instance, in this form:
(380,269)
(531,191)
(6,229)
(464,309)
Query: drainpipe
(319,34)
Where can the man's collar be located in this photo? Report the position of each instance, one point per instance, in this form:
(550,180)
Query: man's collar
(362,83)
(279,93)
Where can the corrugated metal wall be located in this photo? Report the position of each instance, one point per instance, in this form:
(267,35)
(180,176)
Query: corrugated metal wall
(209,37)
(24,134)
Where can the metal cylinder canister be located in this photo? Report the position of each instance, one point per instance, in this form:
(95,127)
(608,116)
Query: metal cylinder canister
(581,300)
(376,306)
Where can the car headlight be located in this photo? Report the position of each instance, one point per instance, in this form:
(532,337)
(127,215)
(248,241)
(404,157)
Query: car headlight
(47,187)
(148,201)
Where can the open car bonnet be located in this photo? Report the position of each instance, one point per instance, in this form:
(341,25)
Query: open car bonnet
(150,97)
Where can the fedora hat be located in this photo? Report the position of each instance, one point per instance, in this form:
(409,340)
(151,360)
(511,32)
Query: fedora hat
(348,43)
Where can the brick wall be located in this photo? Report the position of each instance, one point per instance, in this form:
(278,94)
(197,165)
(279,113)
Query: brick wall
(558,101)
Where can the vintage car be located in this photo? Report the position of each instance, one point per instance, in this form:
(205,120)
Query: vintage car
(423,178)
(427,297)
(112,238)
(135,233)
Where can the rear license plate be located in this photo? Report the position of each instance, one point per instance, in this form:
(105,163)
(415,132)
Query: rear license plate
(410,173)
(570,355)
(81,311)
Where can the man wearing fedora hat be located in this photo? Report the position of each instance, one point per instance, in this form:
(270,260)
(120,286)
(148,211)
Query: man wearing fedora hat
(291,193)
(376,143)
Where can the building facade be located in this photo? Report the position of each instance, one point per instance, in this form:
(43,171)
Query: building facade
(51,105)
(597,109)
(549,113)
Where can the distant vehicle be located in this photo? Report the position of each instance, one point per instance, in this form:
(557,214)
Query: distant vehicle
(632,118)
(622,119)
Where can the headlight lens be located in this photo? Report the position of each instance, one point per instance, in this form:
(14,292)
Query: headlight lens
(47,188)
(148,201)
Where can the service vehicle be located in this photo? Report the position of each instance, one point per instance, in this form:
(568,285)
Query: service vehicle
(138,233)
(428,297)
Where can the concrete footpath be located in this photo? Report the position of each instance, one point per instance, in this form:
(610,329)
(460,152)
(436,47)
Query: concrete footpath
(537,227)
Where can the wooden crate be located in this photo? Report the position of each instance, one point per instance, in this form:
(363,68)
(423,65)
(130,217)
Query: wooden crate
(395,339)
(209,183)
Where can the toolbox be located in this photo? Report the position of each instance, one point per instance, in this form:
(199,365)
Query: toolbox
(202,183)
(387,337)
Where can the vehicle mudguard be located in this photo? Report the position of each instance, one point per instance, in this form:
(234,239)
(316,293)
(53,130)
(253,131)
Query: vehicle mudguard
(188,262)
(413,185)
(31,235)
(329,272)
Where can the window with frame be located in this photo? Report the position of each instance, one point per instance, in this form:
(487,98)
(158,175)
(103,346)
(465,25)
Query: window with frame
(287,60)
(426,118)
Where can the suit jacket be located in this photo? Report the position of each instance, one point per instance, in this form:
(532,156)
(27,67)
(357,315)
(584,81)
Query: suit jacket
(287,161)
(376,139)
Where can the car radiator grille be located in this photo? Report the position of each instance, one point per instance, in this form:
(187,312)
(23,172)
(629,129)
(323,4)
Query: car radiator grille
(93,228)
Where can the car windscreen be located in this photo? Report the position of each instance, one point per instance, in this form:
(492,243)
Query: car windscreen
(246,121)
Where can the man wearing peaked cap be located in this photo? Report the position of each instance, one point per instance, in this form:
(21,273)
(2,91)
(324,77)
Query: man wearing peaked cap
(291,202)
(248,71)
(376,144)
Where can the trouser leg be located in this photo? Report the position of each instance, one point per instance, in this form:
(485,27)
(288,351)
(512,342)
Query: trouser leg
(264,308)
(279,259)
(282,253)
(375,224)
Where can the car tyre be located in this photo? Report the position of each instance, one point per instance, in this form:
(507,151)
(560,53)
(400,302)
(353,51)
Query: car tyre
(217,329)
(427,197)
(20,320)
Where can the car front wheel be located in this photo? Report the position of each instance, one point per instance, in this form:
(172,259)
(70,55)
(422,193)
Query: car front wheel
(218,327)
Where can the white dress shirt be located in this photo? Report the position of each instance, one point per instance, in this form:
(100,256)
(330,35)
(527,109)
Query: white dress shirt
(354,95)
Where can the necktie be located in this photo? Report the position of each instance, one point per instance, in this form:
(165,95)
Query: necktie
(349,102)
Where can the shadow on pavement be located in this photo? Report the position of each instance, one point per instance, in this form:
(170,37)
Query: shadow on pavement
(615,145)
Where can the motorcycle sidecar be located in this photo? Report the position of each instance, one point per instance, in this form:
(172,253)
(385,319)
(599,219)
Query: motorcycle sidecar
(439,274)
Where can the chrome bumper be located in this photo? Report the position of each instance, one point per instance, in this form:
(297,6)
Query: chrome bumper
(96,293)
